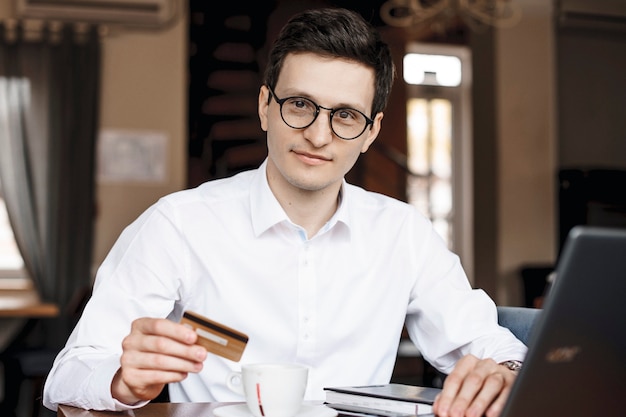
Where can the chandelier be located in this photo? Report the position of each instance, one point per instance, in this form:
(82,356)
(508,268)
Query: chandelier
(477,14)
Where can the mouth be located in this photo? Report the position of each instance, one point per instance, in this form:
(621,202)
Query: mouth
(310,158)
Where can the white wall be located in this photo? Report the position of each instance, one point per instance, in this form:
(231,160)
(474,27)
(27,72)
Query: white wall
(143,88)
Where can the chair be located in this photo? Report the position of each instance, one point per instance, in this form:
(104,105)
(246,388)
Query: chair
(519,320)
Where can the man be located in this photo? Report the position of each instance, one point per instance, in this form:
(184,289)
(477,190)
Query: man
(314,270)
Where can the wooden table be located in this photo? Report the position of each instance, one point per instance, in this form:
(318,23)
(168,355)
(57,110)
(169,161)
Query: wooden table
(150,410)
(19,299)
(156,410)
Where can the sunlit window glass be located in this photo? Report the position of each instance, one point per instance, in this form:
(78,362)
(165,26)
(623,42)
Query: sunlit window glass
(10,258)
(430,158)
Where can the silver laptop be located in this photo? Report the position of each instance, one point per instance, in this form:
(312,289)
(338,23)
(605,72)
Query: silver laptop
(576,362)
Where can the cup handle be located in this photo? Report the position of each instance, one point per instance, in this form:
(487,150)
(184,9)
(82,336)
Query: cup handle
(234,382)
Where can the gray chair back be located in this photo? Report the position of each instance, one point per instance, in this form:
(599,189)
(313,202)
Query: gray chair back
(519,320)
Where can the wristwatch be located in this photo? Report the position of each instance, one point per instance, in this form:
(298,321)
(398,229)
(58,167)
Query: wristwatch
(514,366)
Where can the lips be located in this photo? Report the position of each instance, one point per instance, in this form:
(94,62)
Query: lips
(311,159)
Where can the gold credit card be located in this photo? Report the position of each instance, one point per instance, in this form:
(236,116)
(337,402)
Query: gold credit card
(215,337)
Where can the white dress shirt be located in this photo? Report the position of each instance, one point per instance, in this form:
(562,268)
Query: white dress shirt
(336,302)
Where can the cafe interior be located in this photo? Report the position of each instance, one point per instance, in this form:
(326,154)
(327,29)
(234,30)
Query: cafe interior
(505,127)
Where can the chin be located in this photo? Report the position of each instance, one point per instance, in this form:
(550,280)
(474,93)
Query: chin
(308,184)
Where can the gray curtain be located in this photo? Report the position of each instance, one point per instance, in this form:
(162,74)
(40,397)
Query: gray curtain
(49,95)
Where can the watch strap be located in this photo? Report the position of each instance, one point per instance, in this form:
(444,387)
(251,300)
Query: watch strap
(513,365)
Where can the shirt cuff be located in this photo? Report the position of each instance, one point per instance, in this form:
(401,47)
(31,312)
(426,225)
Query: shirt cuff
(102,381)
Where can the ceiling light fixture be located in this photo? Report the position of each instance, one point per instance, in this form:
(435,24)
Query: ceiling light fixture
(477,14)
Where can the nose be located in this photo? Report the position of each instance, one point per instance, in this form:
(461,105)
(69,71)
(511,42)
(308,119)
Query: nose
(320,133)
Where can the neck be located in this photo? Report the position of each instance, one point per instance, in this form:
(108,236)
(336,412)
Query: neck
(310,209)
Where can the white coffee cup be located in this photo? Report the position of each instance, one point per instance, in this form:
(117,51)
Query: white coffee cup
(271,389)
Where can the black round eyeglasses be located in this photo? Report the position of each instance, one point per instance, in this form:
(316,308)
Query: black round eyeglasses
(301,112)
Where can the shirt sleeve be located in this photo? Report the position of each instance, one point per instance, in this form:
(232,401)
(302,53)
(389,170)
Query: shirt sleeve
(131,277)
(87,377)
(448,319)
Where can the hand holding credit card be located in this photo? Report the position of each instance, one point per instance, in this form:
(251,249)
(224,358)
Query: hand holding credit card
(215,337)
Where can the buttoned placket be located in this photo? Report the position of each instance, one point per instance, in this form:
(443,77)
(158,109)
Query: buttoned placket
(307,300)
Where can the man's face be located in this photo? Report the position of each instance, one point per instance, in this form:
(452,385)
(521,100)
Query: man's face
(314,158)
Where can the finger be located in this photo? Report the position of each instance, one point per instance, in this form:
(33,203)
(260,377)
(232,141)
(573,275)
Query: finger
(145,374)
(164,327)
(452,385)
(147,384)
(157,361)
(164,336)
(138,378)
(492,386)
(473,384)
(495,409)
(163,345)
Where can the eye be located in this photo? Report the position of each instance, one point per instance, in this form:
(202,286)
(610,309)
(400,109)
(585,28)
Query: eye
(299,104)
(348,116)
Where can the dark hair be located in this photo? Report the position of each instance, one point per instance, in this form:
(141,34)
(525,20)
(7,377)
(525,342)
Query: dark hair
(335,32)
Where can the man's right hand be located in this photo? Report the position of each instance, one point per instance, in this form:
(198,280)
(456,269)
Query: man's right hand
(155,353)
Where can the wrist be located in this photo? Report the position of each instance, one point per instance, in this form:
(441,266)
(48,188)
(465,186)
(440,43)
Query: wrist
(121,392)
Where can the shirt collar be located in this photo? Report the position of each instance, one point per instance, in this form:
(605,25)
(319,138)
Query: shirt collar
(266,212)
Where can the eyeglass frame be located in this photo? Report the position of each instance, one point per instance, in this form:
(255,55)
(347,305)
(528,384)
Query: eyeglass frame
(280,101)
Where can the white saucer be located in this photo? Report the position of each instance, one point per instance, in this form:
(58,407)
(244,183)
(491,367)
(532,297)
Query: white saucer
(241,410)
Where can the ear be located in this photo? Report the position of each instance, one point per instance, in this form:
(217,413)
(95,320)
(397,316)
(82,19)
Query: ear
(264,97)
(372,133)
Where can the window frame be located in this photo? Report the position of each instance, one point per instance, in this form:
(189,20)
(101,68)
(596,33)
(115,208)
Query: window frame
(462,145)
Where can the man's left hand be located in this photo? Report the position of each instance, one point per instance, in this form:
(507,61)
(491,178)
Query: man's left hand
(475,387)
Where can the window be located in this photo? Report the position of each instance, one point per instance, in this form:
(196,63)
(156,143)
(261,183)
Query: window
(429,149)
(11,263)
(439,145)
